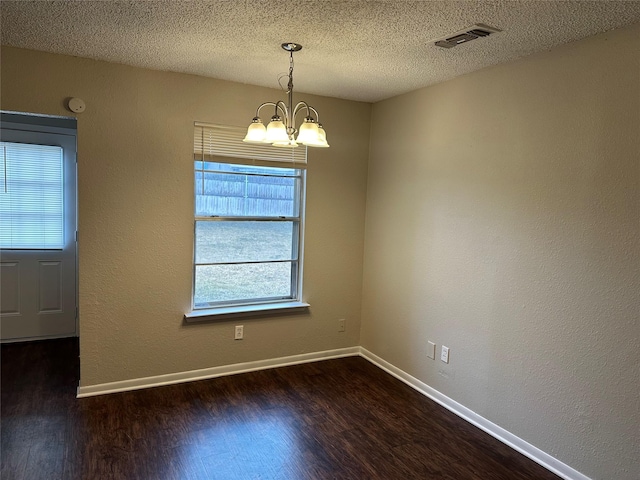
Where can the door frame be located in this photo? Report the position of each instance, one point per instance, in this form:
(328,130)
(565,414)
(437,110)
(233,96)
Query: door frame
(37,123)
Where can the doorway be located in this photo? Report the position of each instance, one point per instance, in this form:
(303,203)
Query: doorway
(38,228)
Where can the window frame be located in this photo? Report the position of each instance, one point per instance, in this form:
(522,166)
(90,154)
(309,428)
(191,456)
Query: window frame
(294,299)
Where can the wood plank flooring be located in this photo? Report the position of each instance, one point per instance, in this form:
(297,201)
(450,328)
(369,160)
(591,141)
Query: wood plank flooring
(336,419)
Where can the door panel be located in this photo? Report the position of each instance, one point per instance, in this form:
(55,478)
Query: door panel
(38,294)
(10,288)
(50,283)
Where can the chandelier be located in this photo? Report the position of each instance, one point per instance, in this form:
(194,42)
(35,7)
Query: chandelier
(281,130)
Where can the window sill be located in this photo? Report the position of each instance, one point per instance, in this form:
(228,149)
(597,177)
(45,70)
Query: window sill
(224,313)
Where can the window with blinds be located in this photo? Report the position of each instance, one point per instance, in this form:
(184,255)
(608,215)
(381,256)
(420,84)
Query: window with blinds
(220,141)
(248,220)
(31,197)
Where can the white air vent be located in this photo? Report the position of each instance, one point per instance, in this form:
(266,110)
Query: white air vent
(463,36)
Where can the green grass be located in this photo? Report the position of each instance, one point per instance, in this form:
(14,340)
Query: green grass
(220,241)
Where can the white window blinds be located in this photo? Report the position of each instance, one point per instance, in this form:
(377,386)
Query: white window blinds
(220,143)
(31,197)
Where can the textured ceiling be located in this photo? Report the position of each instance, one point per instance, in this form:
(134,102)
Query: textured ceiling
(360,50)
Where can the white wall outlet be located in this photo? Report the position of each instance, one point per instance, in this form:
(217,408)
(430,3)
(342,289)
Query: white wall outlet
(431,350)
(239,333)
(341,325)
(444,354)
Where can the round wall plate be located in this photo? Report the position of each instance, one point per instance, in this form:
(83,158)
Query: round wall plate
(76,105)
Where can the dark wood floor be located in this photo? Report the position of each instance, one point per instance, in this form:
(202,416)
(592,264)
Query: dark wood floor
(337,419)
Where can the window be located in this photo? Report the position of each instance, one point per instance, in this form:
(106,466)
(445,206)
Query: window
(31,197)
(248,225)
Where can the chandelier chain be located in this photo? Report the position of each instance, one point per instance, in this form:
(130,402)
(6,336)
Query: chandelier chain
(290,85)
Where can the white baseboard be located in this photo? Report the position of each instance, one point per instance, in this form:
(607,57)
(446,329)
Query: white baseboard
(547,461)
(213,372)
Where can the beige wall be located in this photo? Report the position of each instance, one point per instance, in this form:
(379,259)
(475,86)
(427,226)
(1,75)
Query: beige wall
(135,183)
(503,220)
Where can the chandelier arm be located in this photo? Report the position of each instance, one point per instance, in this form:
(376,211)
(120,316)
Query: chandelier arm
(316,112)
(288,117)
(299,106)
(283,109)
(309,108)
(277,105)
(272,104)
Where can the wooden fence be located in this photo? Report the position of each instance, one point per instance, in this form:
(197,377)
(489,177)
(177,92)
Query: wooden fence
(233,194)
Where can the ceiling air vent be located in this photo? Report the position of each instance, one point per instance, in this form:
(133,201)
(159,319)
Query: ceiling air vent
(466,35)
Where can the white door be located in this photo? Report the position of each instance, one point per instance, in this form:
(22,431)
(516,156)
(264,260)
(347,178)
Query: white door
(37,233)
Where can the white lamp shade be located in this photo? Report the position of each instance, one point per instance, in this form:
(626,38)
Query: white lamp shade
(308,134)
(322,138)
(276,132)
(256,133)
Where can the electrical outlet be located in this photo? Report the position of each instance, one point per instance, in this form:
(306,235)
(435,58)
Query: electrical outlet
(444,354)
(239,334)
(341,325)
(431,350)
